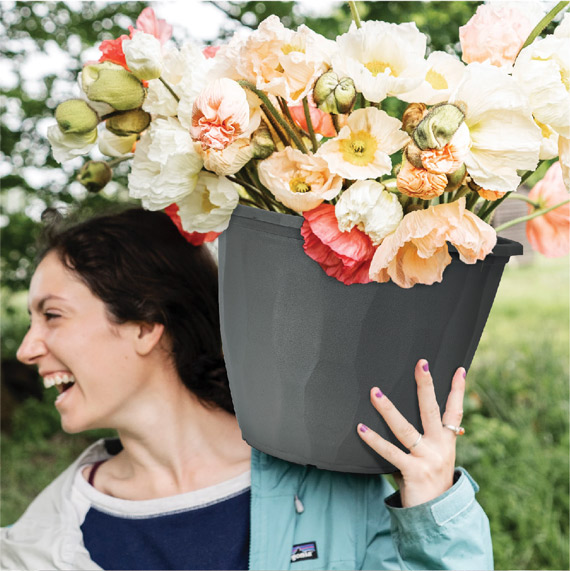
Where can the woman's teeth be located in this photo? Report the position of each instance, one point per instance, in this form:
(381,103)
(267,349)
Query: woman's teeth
(59,380)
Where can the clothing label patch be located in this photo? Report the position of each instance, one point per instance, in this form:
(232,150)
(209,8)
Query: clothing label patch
(303,551)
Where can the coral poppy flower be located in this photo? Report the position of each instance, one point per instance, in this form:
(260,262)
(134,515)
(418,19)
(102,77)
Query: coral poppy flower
(549,234)
(322,122)
(417,251)
(195,238)
(345,256)
(490,194)
(112,51)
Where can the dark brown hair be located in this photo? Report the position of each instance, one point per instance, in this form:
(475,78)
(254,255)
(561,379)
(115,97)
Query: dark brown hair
(143,269)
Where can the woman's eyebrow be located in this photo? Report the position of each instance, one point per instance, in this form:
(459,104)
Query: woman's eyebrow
(40,304)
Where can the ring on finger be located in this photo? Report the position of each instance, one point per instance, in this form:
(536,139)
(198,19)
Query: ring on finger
(415,443)
(459,430)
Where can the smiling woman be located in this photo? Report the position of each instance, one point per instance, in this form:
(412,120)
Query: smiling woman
(124,322)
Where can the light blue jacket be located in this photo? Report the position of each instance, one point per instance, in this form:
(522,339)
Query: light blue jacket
(344,515)
(354,525)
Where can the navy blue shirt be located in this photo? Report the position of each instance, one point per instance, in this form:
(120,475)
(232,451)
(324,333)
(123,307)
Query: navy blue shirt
(214,535)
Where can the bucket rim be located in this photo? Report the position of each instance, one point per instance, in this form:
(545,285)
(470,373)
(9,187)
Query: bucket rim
(503,248)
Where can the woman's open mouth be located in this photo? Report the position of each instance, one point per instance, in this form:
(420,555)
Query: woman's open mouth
(61,381)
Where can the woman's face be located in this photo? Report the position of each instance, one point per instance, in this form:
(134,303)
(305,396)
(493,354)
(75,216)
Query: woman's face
(92,361)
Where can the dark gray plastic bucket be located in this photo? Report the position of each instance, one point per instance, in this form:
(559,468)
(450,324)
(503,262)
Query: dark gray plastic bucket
(303,350)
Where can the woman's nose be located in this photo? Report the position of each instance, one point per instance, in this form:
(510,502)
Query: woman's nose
(31,348)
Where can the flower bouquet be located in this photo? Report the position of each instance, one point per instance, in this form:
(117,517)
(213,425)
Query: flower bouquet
(358,155)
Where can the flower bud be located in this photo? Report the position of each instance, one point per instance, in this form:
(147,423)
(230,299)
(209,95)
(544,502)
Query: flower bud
(333,95)
(412,116)
(414,154)
(113,146)
(261,142)
(128,123)
(456,179)
(114,85)
(76,117)
(94,175)
(143,54)
(438,127)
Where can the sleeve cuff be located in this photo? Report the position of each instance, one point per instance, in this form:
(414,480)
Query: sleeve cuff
(440,510)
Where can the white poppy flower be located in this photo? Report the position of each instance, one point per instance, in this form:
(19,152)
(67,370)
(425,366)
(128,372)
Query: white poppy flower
(114,146)
(382,59)
(370,208)
(504,135)
(363,146)
(443,74)
(543,72)
(209,207)
(563,29)
(166,165)
(564,154)
(143,54)
(65,146)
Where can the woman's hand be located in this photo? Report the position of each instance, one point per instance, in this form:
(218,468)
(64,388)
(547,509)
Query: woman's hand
(427,470)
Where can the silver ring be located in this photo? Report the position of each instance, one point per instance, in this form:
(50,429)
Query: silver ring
(459,430)
(415,443)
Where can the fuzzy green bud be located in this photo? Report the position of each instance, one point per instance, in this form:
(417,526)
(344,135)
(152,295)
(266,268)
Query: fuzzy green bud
(414,155)
(94,175)
(456,179)
(128,123)
(438,127)
(261,142)
(76,117)
(334,95)
(114,85)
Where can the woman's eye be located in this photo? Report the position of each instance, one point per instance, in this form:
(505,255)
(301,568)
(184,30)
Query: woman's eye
(49,316)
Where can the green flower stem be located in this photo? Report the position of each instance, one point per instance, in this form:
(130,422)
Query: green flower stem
(276,115)
(463,191)
(524,198)
(489,206)
(276,127)
(169,89)
(307,112)
(287,112)
(118,160)
(354,13)
(472,201)
(538,29)
(535,214)
(269,196)
(253,191)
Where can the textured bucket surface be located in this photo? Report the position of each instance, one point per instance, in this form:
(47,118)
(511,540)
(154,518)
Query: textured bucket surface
(303,350)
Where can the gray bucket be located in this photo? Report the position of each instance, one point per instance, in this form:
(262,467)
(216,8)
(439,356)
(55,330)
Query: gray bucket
(303,350)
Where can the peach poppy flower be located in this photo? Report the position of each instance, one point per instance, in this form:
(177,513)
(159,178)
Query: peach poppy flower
(490,194)
(363,146)
(322,122)
(220,114)
(299,181)
(450,157)
(345,256)
(417,252)
(420,183)
(549,234)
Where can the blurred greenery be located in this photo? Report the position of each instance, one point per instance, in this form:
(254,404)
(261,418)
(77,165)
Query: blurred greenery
(516,410)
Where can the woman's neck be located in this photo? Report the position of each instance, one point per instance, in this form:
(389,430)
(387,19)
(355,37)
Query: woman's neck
(174,445)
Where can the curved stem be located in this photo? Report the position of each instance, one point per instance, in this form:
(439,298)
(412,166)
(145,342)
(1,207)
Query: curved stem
(169,89)
(542,24)
(524,198)
(535,214)
(309,121)
(354,13)
(276,115)
(119,160)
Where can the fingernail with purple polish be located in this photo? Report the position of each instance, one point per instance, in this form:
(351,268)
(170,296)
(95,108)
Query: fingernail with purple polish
(379,394)
(425,367)
(464,373)
(363,428)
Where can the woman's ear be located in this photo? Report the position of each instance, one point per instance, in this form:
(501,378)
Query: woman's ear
(148,336)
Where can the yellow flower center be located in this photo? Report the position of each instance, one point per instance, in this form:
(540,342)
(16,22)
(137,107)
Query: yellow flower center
(288,48)
(376,67)
(359,149)
(298,184)
(436,80)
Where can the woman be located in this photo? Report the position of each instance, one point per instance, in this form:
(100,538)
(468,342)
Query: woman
(124,322)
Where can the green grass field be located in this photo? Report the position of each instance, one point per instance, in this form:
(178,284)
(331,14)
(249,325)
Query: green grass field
(516,416)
